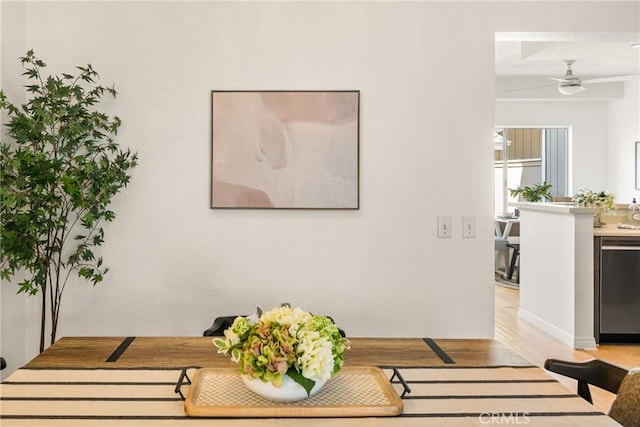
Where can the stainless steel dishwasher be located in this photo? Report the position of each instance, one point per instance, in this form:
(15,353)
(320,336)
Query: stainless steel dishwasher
(620,289)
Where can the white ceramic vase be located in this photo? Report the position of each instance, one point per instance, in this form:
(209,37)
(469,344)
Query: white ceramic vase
(290,391)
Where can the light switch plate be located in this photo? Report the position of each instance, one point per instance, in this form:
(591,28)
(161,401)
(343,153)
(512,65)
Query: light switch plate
(468,227)
(444,226)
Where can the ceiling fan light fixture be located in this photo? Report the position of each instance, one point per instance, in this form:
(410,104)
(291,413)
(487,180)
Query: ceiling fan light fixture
(570,89)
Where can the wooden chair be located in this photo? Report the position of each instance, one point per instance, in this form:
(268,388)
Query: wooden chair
(625,384)
(223,322)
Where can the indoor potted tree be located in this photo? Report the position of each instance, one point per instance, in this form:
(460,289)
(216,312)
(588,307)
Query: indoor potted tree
(59,171)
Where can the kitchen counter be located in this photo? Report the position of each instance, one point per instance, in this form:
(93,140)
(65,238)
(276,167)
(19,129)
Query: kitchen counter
(556,208)
(611,229)
(557,286)
(611,220)
(556,261)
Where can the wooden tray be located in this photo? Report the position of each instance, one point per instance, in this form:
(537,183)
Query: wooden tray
(354,392)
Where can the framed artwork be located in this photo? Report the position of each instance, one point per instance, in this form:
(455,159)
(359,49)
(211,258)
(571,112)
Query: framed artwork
(637,165)
(285,149)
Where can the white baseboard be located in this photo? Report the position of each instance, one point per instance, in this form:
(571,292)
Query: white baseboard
(584,342)
(554,331)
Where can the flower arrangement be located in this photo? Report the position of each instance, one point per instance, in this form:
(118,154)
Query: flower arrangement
(285,340)
(588,198)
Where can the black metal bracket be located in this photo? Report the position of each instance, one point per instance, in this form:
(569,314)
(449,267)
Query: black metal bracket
(405,386)
(184,377)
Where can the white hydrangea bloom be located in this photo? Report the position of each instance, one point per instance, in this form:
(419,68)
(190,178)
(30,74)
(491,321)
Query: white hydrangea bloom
(315,355)
(287,316)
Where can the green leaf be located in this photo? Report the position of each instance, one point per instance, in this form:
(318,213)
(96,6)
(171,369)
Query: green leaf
(85,272)
(305,382)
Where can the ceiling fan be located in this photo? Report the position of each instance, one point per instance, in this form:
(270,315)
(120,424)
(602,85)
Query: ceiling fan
(570,84)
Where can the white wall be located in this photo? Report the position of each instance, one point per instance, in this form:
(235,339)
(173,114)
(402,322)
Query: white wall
(624,130)
(425,72)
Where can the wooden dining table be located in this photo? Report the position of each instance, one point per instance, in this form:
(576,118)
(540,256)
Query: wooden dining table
(142,381)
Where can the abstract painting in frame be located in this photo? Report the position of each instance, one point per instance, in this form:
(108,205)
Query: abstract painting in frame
(285,149)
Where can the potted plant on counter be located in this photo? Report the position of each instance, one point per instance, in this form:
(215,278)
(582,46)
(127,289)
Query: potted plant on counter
(534,193)
(603,200)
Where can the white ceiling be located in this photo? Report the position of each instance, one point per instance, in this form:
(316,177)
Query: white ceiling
(542,54)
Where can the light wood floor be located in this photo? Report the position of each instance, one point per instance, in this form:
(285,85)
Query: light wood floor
(536,346)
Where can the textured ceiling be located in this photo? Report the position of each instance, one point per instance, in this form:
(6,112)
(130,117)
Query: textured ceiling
(542,54)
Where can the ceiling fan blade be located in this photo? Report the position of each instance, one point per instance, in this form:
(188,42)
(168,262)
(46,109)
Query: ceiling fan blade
(610,79)
(530,88)
(558,80)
